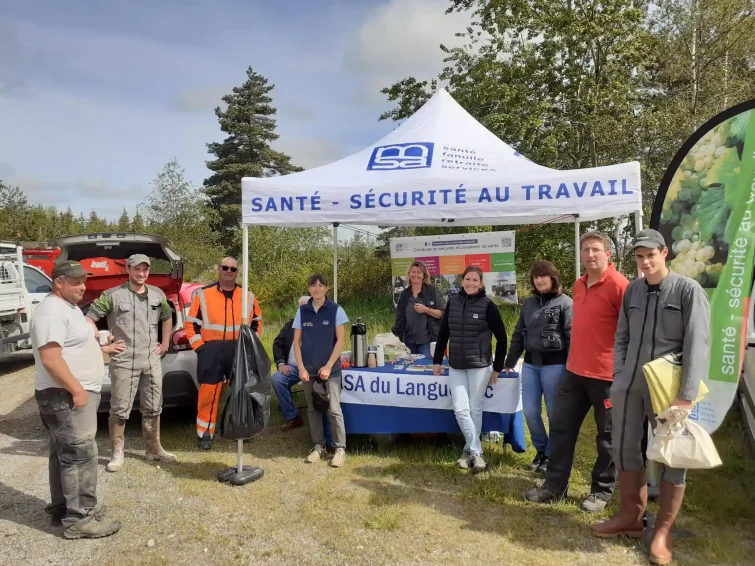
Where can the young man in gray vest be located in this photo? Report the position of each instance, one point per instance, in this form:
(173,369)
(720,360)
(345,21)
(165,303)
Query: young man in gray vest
(662,313)
(133,311)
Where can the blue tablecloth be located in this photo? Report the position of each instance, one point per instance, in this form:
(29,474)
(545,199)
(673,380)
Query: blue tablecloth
(382,419)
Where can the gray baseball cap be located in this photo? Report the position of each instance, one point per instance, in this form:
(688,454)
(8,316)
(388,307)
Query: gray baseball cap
(648,238)
(136,259)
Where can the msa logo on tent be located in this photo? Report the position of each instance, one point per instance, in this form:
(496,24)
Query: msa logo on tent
(417,155)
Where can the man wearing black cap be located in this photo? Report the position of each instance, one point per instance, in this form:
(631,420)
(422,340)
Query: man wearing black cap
(662,313)
(69,375)
(133,311)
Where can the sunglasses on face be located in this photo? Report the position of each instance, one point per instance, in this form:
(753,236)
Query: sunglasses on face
(229,268)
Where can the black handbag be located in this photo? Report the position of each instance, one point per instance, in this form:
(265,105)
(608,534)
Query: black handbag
(320,395)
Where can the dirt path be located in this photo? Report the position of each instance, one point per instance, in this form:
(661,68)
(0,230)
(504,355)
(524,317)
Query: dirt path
(389,505)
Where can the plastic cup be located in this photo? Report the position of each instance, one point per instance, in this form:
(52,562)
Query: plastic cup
(104,337)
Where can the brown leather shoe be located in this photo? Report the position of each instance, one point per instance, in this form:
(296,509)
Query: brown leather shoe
(661,549)
(296,422)
(628,520)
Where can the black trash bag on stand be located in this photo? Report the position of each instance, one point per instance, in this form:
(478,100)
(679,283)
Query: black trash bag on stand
(320,395)
(247,410)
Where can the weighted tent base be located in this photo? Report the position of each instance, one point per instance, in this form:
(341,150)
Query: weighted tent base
(247,475)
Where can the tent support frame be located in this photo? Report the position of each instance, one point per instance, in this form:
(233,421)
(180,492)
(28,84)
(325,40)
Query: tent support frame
(241,474)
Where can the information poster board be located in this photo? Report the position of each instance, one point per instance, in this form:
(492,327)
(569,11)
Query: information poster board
(448,255)
(705,209)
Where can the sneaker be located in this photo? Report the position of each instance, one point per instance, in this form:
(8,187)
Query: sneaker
(543,467)
(464,461)
(56,516)
(536,462)
(478,463)
(315,454)
(541,495)
(339,459)
(91,527)
(594,504)
(294,423)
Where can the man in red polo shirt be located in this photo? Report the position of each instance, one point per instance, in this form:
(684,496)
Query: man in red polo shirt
(589,374)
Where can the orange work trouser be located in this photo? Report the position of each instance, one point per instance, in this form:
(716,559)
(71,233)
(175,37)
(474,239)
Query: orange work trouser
(207,408)
(214,365)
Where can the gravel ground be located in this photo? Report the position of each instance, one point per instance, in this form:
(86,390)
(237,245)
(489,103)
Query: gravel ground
(391,505)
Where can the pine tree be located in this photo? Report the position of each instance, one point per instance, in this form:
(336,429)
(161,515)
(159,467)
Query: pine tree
(245,152)
(124,224)
(137,223)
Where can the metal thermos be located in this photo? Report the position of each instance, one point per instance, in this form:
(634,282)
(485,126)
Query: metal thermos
(359,344)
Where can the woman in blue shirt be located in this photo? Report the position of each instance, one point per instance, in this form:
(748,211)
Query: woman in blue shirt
(319,337)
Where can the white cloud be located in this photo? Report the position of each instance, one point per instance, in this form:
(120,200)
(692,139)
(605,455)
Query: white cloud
(399,39)
(82,195)
(201,99)
(308,152)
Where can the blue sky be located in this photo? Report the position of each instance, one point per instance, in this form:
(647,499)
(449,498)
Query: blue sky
(96,96)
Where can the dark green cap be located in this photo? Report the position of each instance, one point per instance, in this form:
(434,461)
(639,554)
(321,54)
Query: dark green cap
(72,269)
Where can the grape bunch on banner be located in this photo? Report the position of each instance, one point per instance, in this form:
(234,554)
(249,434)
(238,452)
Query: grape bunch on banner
(447,256)
(705,209)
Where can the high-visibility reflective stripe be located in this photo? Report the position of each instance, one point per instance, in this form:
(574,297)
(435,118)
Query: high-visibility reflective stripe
(195,338)
(221,328)
(200,422)
(194,320)
(203,307)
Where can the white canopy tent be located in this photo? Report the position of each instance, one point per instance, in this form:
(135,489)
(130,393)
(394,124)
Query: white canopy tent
(439,168)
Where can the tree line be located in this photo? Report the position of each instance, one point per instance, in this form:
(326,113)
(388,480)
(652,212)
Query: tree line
(568,83)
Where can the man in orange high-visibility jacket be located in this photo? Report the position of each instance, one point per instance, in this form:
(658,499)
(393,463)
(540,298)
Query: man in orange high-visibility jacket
(212,326)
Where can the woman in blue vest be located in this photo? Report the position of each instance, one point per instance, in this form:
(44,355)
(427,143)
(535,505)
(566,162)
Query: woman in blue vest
(419,310)
(470,321)
(319,337)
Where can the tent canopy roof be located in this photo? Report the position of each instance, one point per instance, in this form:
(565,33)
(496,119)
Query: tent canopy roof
(440,167)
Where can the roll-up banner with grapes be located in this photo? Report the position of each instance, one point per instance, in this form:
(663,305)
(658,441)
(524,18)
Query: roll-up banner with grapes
(705,209)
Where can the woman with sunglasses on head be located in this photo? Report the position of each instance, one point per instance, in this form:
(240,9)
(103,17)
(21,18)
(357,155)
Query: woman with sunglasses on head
(543,333)
(468,326)
(420,308)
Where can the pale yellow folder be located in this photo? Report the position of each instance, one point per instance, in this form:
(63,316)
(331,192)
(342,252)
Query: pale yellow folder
(664,377)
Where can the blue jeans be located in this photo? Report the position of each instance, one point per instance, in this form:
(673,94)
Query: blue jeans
(282,385)
(539,382)
(423,349)
(468,388)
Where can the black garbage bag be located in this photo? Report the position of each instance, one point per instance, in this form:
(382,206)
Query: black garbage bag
(248,407)
(320,395)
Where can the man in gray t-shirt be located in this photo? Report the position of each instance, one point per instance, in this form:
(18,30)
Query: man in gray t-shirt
(70,369)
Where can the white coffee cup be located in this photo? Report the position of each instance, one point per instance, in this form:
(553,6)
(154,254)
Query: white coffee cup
(104,337)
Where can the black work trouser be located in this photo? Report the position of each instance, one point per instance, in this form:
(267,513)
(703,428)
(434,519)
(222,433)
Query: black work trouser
(573,401)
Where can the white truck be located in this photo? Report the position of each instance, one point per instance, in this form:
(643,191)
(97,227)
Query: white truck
(22,287)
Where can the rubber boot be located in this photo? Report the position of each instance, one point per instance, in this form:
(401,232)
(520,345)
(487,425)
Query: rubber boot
(628,520)
(116,428)
(152,448)
(661,548)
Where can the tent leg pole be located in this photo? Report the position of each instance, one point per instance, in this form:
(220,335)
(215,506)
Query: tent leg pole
(239,475)
(637,230)
(245,306)
(335,262)
(577,268)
